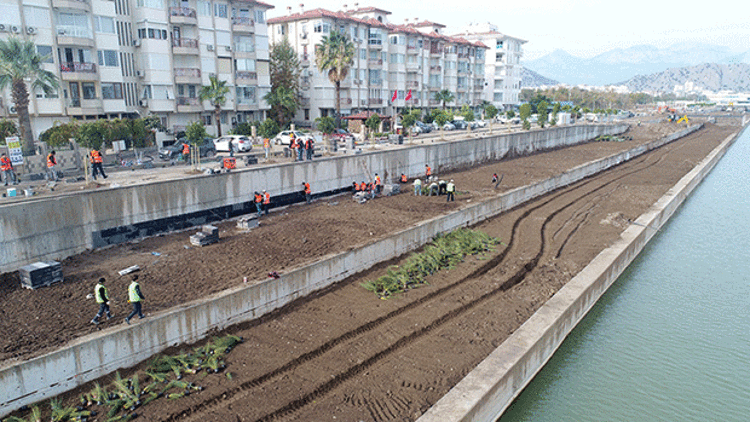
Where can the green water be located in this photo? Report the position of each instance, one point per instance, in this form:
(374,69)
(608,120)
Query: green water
(670,340)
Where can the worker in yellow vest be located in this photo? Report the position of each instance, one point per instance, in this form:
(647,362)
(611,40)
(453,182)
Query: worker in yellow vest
(96,164)
(102,298)
(135,297)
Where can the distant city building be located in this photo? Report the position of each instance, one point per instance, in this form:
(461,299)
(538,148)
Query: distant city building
(503,71)
(388,59)
(130,58)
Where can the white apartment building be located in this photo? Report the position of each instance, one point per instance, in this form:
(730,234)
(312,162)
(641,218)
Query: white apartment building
(130,58)
(502,69)
(388,59)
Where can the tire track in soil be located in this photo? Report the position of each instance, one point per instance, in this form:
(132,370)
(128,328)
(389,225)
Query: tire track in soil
(239,392)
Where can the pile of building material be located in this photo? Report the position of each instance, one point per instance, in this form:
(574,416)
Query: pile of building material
(248,222)
(393,189)
(40,274)
(208,235)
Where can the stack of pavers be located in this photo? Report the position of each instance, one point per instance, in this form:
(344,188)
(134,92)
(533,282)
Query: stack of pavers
(208,235)
(40,274)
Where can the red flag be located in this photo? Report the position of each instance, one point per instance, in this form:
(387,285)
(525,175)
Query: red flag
(408,95)
(395,95)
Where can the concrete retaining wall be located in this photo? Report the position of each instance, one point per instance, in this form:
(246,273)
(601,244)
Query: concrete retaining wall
(485,393)
(93,356)
(46,228)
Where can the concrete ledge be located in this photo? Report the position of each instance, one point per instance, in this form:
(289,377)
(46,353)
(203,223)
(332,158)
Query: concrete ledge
(485,393)
(93,356)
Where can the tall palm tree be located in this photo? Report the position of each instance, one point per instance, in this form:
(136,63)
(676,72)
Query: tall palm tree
(20,62)
(444,96)
(335,55)
(215,92)
(283,102)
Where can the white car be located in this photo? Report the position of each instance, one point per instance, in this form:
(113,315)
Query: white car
(283,137)
(240,143)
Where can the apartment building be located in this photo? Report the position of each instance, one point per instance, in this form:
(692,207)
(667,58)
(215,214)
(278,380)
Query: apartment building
(389,59)
(502,68)
(131,58)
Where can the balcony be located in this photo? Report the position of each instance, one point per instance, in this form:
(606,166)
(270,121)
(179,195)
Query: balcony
(436,69)
(183,15)
(346,101)
(74,35)
(186,75)
(304,83)
(243,24)
(77,71)
(376,82)
(188,105)
(434,88)
(374,62)
(413,66)
(375,43)
(304,60)
(461,88)
(246,76)
(244,104)
(412,84)
(436,52)
(304,102)
(84,5)
(82,107)
(434,102)
(375,101)
(185,46)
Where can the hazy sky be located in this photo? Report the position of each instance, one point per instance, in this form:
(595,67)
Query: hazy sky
(581,27)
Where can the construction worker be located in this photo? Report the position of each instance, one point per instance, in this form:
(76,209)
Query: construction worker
(102,298)
(135,297)
(308,192)
(300,149)
(427,172)
(293,146)
(442,185)
(404,179)
(363,187)
(186,151)
(7,168)
(494,178)
(258,202)
(267,147)
(309,148)
(371,190)
(96,164)
(52,174)
(355,187)
(378,185)
(433,189)
(266,202)
(417,187)
(450,190)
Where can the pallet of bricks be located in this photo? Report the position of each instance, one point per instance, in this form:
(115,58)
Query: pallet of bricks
(40,274)
(208,235)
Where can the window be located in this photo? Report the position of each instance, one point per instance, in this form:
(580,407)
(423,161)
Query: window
(111,91)
(186,91)
(151,4)
(107,58)
(37,17)
(362,54)
(40,94)
(147,92)
(499,44)
(73,19)
(260,16)
(246,94)
(46,52)
(89,90)
(220,10)
(204,8)
(397,58)
(104,24)
(206,118)
(281,30)
(321,27)
(245,65)
(223,38)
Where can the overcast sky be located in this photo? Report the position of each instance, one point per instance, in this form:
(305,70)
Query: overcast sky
(581,27)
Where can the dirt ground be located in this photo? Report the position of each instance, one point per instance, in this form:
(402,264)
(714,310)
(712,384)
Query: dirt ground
(344,354)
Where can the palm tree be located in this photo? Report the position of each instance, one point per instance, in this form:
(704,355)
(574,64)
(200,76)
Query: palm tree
(20,62)
(444,96)
(335,55)
(215,92)
(283,102)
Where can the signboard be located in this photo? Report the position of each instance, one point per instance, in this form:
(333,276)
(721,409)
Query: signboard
(14,150)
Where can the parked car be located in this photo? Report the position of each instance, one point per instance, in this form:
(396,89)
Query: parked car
(240,143)
(342,135)
(479,123)
(509,120)
(283,137)
(449,126)
(460,124)
(171,152)
(423,127)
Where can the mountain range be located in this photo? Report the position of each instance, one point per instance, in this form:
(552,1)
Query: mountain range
(622,64)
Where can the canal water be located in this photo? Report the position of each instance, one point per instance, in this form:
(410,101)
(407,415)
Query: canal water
(670,340)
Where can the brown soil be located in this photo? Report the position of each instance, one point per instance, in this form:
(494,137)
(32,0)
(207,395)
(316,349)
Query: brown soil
(343,353)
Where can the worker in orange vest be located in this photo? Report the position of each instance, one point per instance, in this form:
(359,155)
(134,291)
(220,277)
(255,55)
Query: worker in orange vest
(378,185)
(266,202)
(363,187)
(308,192)
(355,187)
(52,167)
(258,202)
(309,148)
(185,151)
(96,164)
(267,146)
(427,171)
(403,178)
(7,167)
